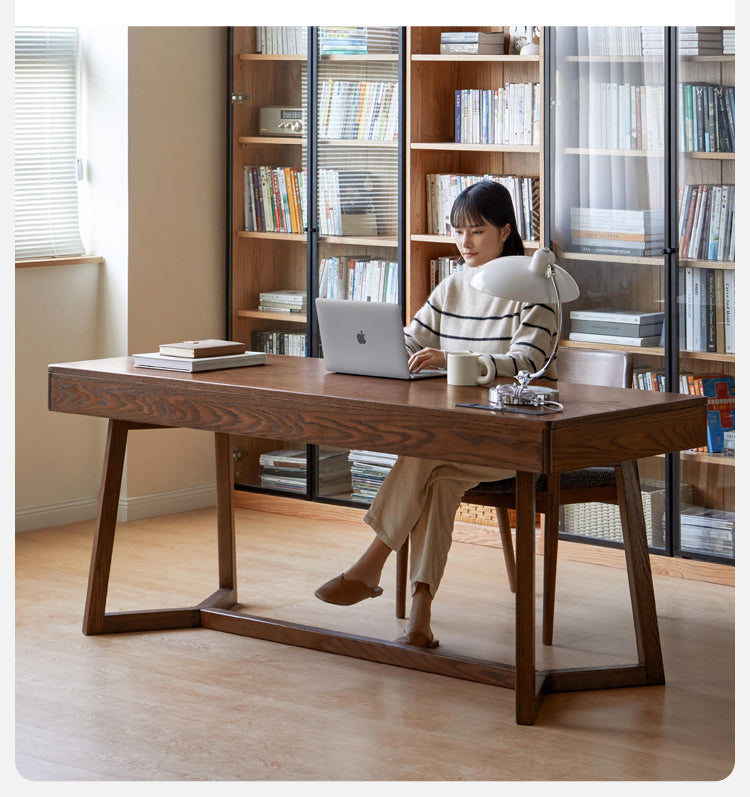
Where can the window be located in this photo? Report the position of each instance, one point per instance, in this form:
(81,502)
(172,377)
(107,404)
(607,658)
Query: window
(46,122)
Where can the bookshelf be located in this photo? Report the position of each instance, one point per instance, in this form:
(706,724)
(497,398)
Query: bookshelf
(583,151)
(615,145)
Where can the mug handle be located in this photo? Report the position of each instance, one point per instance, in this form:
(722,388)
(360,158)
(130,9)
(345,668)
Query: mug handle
(488,367)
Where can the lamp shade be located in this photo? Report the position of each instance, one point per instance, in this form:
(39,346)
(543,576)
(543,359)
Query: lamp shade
(525,279)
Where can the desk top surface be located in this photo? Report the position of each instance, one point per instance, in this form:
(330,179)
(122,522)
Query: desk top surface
(295,398)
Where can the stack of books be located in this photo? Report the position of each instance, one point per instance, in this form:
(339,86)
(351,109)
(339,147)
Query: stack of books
(727,40)
(359,278)
(283,301)
(708,531)
(368,471)
(619,327)
(275,199)
(342,40)
(699,40)
(509,115)
(614,40)
(472,42)
(442,267)
(200,355)
(706,220)
(280,341)
(442,190)
(610,231)
(286,469)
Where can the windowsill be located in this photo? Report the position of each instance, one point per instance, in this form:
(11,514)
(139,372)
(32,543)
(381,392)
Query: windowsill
(59,261)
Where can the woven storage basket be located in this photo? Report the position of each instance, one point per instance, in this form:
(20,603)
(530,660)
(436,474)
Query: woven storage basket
(602,521)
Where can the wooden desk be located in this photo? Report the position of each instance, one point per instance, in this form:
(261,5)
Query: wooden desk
(295,399)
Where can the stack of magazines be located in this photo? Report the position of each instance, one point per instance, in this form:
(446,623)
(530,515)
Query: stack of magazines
(286,469)
(369,469)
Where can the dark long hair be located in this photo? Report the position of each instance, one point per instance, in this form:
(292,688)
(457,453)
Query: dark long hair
(488,202)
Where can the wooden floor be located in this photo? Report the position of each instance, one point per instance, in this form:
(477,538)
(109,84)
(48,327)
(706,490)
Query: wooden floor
(201,705)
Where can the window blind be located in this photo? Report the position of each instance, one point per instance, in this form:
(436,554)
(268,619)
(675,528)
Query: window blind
(46,120)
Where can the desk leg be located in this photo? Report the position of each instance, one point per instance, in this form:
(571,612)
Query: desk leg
(526,696)
(639,572)
(101,554)
(225,519)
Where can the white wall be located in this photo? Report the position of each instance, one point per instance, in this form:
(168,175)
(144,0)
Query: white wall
(155,172)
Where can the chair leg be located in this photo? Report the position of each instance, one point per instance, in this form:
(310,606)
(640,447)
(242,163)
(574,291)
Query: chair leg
(551,522)
(402,571)
(503,524)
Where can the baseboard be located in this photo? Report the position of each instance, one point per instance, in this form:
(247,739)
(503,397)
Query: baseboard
(138,508)
(478,534)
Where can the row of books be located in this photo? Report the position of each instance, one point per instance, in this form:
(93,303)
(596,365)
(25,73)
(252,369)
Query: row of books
(472,42)
(342,39)
(632,233)
(706,222)
(368,472)
(286,300)
(708,321)
(359,278)
(280,341)
(509,115)
(281,39)
(442,190)
(727,41)
(707,113)
(708,531)
(358,110)
(287,469)
(275,199)
(442,267)
(625,116)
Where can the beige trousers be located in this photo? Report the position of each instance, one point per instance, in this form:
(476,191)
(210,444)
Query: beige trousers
(419,500)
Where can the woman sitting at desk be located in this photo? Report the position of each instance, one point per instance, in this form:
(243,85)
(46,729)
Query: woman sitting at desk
(420,497)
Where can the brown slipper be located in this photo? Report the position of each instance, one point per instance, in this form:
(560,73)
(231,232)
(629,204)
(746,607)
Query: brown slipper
(417,639)
(346,592)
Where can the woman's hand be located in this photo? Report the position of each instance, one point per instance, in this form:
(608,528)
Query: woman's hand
(426,358)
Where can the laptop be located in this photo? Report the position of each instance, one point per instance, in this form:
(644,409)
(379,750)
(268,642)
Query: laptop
(365,338)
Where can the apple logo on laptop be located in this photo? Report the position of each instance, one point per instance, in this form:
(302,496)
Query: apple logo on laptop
(361,336)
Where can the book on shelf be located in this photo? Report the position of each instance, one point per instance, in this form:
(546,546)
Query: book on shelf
(442,267)
(728,41)
(198,364)
(641,317)
(626,116)
(286,469)
(362,279)
(600,327)
(201,348)
(442,190)
(479,42)
(706,113)
(633,233)
(508,116)
(611,40)
(286,300)
(368,471)
(279,341)
(617,340)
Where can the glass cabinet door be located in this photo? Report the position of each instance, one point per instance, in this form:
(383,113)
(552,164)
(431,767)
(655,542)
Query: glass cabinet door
(705,202)
(356,173)
(608,223)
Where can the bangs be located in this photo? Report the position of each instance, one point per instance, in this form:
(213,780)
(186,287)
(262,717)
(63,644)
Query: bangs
(465,212)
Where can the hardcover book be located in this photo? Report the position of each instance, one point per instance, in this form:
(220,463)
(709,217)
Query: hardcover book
(201,348)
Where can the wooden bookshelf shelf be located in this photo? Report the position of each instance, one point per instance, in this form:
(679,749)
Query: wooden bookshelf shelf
(716,156)
(450,146)
(617,153)
(351,240)
(250,140)
(470,57)
(725,265)
(294,318)
(357,142)
(636,261)
(271,57)
(274,236)
(448,240)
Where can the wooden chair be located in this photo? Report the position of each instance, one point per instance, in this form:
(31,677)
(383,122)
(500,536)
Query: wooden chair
(607,368)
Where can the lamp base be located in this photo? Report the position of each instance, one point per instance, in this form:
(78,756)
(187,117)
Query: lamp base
(502,396)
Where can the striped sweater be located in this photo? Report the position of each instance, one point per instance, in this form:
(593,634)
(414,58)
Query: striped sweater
(517,335)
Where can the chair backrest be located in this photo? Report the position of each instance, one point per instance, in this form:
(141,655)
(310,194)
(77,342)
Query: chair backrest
(595,367)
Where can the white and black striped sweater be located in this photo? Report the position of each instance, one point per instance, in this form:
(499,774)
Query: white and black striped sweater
(517,335)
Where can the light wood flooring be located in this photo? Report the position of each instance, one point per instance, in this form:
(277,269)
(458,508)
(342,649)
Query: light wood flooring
(199,705)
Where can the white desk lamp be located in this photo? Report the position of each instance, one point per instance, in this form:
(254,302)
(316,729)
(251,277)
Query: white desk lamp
(526,279)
